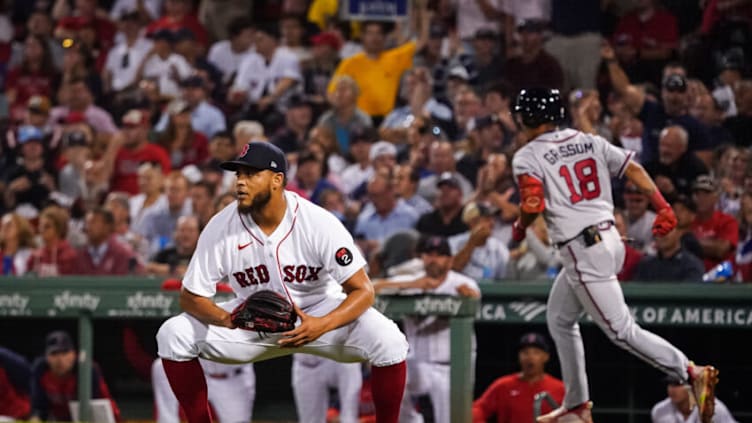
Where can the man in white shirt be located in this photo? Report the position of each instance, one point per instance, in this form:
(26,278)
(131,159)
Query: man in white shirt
(268,76)
(205,117)
(147,10)
(473,15)
(165,66)
(360,170)
(124,60)
(227,55)
(639,218)
(477,253)
(428,358)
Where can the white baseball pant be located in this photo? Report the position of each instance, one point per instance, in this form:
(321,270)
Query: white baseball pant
(312,377)
(232,390)
(588,283)
(371,337)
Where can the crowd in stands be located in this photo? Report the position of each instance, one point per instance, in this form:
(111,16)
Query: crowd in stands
(116,113)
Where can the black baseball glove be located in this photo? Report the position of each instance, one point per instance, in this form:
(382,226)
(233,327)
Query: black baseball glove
(265,311)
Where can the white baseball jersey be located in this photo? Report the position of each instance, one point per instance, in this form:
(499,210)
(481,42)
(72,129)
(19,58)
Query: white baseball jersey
(429,336)
(428,370)
(259,78)
(309,251)
(576,171)
(666,412)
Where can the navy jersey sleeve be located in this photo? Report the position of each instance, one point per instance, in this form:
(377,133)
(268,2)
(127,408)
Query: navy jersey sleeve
(39,401)
(17,369)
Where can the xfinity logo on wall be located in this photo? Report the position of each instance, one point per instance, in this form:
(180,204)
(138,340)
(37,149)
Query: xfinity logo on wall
(67,300)
(139,300)
(430,305)
(14,305)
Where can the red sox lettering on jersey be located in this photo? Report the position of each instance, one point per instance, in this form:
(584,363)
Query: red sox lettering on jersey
(258,275)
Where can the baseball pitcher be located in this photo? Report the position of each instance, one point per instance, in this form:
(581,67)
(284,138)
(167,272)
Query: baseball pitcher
(280,253)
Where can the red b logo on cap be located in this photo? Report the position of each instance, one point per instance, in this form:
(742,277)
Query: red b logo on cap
(245,150)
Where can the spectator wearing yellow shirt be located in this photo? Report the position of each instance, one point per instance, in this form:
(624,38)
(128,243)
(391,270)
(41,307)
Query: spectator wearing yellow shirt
(377,71)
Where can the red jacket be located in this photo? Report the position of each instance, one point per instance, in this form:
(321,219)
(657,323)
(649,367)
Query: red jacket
(189,22)
(53,261)
(511,399)
(660,30)
(118,260)
(127,161)
(15,374)
(718,226)
(51,394)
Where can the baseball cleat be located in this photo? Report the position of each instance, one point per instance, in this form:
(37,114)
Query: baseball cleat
(703,380)
(579,414)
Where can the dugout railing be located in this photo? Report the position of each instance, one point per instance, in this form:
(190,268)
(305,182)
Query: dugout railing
(504,302)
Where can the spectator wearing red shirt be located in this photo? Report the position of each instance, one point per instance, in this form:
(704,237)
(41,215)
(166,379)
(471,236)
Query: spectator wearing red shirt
(534,67)
(646,39)
(183,143)
(510,398)
(103,254)
(717,232)
(34,76)
(54,380)
(135,151)
(55,257)
(178,15)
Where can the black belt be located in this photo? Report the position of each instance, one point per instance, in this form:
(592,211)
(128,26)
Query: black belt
(590,235)
(235,372)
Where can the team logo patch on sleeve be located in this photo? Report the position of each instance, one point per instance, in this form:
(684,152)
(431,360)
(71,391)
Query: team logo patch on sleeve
(343,256)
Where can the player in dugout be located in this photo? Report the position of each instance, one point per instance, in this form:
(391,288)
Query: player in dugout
(510,398)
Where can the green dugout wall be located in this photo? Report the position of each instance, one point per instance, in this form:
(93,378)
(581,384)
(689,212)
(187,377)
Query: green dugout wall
(709,322)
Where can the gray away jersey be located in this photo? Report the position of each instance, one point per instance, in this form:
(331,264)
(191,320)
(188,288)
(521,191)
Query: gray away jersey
(576,171)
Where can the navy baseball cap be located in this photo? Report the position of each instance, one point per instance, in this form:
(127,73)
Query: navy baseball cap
(434,244)
(58,341)
(258,155)
(533,339)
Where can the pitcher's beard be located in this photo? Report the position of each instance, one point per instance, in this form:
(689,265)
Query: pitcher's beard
(258,203)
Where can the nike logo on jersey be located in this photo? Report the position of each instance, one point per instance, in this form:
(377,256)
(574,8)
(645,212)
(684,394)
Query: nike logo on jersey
(240,247)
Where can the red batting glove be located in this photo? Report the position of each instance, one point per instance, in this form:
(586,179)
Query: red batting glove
(664,222)
(518,231)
